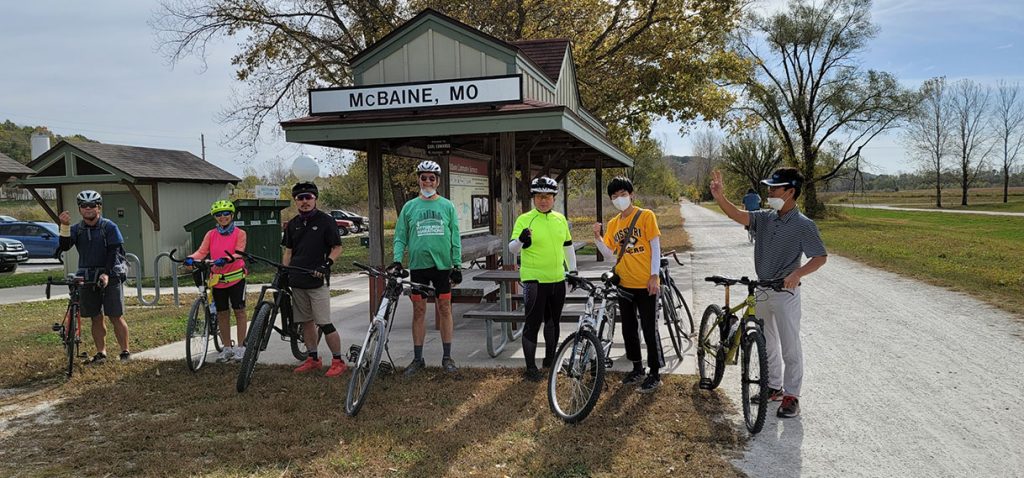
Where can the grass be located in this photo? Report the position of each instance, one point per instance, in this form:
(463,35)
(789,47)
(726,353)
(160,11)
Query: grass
(28,278)
(980,255)
(979,199)
(670,221)
(487,422)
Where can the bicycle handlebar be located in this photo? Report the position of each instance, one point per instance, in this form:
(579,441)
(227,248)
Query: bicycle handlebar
(70,280)
(581,283)
(254,258)
(774,284)
(205,263)
(397,274)
(672,253)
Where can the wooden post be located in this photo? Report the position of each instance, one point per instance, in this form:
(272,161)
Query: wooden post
(445,190)
(598,190)
(506,168)
(375,175)
(42,202)
(524,186)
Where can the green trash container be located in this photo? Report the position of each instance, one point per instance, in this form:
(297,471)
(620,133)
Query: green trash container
(261,220)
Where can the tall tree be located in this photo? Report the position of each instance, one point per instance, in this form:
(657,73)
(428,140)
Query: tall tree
(1008,128)
(707,152)
(810,88)
(971,139)
(752,156)
(929,130)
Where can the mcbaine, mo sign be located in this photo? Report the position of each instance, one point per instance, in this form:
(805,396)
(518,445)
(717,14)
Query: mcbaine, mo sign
(505,89)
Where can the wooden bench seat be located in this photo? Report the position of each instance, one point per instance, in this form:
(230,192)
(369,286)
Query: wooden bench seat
(494,313)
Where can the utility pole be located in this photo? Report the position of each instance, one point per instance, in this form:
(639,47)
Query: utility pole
(202,141)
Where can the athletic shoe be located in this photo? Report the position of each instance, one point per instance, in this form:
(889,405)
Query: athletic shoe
(338,367)
(239,353)
(98,359)
(414,367)
(633,378)
(125,356)
(225,355)
(790,407)
(309,365)
(449,365)
(651,383)
(774,395)
(533,375)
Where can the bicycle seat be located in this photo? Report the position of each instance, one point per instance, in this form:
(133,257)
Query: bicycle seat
(719,280)
(664,262)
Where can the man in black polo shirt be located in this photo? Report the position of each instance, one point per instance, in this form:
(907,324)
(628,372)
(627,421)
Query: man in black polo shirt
(312,241)
(782,235)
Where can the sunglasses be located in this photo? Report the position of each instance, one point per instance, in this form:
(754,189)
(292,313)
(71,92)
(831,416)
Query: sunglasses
(222,214)
(89,205)
(428,177)
(305,197)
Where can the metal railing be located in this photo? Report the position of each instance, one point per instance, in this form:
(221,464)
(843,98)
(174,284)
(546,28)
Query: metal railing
(137,267)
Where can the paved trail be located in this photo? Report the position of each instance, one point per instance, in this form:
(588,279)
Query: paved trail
(900,378)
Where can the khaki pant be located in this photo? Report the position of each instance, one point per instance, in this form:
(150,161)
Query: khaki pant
(312,304)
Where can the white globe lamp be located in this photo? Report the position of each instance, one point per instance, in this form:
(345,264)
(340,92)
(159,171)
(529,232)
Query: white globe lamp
(305,168)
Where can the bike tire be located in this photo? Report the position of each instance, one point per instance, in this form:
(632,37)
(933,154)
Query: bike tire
(214,329)
(711,347)
(364,370)
(670,314)
(70,340)
(680,301)
(754,381)
(577,377)
(197,335)
(298,342)
(261,322)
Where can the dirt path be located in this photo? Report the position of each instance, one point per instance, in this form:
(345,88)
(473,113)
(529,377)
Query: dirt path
(900,378)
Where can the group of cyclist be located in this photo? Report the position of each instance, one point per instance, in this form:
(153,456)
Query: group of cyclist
(427,239)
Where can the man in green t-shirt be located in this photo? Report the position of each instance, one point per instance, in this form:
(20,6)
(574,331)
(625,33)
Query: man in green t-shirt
(543,240)
(428,229)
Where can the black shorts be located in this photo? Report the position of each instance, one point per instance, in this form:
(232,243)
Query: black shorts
(108,301)
(440,280)
(235,294)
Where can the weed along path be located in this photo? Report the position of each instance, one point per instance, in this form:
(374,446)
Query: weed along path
(900,378)
(921,209)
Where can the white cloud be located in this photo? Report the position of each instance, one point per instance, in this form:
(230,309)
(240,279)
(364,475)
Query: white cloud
(1003,47)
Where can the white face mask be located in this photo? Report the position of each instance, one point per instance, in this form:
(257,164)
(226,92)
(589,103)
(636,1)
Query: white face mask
(621,203)
(776,203)
(428,192)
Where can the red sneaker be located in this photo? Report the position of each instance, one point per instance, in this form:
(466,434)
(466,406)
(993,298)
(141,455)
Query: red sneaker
(338,367)
(309,365)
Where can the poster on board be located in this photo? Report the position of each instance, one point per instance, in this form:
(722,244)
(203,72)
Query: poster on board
(469,193)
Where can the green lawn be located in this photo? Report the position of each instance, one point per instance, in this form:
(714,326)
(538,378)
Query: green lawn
(980,255)
(28,278)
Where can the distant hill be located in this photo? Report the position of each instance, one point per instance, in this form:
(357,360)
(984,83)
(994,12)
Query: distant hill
(16,140)
(684,167)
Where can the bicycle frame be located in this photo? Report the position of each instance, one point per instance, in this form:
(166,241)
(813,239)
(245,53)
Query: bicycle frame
(749,307)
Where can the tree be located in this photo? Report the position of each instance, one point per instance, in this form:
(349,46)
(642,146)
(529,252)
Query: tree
(971,139)
(16,141)
(752,156)
(637,58)
(707,152)
(1008,125)
(929,129)
(810,89)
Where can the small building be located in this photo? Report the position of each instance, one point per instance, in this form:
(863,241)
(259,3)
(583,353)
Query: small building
(149,193)
(10,168)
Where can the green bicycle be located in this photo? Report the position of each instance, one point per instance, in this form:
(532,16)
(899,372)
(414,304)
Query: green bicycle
(724,338)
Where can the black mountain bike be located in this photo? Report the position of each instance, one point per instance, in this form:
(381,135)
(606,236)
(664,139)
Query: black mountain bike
(367,358)
(202,318)
(671,306)
(265,315)
(577,374)
(70,329)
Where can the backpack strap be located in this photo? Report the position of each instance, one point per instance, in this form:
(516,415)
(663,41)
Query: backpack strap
(628,234)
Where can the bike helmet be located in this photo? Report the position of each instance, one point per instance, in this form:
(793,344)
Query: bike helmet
(89,196)
(543,185)
(305,187)
(222,205)
(429,167)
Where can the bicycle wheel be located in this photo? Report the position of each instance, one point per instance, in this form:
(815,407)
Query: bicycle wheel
(677,297)
(577,377)
(298,341)
(364,370)
(197,335)
(754,380)
(669,313)
(214,329)
(261,324)
(70,339)
(711,347)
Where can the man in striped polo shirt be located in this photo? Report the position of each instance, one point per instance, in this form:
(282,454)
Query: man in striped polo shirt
(782,234)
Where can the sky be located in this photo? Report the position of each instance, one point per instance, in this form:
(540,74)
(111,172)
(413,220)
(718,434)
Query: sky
(93,68)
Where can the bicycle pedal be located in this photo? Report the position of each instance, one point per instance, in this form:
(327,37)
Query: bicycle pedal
(705,384)
(386,368)
(608,363)
(56,327)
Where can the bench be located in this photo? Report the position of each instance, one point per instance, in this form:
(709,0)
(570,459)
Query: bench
(569,299)
(494,313)
(480,261)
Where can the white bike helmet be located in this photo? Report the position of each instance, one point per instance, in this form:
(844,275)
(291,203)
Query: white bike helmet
(89,196)
(429,167)
(544,185)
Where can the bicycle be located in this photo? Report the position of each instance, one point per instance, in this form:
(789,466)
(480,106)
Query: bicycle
(265,315)
(737,337)
(367,360)
(70,330)
(671,304)
(202,318)
(577,373)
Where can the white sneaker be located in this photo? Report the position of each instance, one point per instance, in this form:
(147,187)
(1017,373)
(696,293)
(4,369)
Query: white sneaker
(239,353)
(226,354)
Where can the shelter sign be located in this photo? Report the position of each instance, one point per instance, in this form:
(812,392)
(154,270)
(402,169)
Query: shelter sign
(469,193)
(419,95)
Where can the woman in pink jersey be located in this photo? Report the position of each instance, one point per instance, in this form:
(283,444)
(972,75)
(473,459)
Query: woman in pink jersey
(218,246)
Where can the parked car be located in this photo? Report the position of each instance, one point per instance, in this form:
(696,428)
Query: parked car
(12,253)
(344,226)
(8,219)
(39,238)
(362,223)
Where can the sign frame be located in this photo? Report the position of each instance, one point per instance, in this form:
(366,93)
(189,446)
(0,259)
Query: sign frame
(447,82)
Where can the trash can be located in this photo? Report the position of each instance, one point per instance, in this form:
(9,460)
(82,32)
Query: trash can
(261,220)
